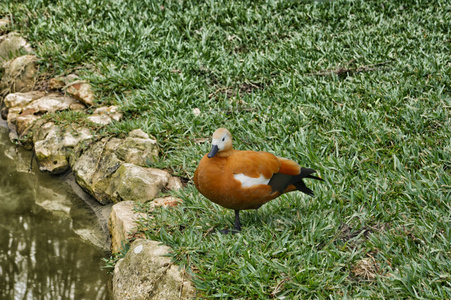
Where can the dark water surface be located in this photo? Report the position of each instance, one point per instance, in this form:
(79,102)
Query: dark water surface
(41,255)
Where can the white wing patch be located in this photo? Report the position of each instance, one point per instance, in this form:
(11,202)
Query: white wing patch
(247,181)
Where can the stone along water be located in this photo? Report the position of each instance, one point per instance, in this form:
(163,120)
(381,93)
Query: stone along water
(44,228)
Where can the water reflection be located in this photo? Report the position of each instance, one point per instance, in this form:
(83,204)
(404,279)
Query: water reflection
(41,257)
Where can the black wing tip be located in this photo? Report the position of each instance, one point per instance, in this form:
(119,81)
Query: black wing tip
(306,173)
(314,177)
(300,186)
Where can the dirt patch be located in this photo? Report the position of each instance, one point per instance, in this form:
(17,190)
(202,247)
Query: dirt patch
(238,90)
(366,269)
(348,69)
(347,234)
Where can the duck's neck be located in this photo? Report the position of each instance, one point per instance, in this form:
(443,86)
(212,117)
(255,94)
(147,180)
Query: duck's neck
(224,154)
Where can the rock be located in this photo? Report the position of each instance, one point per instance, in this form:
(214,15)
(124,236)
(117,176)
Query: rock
(81,90)
(165,202)
(94,167)
(50,152)
(24,116)
(146,273)
(138,148)
(22,99)
(74,135)
(56,83)
(101,181)
(24,122)
(13,113)
(70,78)
(104,169)
(4,26)
(52,145)
(122,224)
(88,219)
(50,103)
(123,218)
(105,115)
(11,45)
(100,119)
(131,182)
(174,183)
(15,102)
(77,106)
(138,133)
(4,113)
(113,144)
(19,75)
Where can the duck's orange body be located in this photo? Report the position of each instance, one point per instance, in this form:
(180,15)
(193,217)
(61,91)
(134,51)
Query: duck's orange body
(214,178)
(242,180)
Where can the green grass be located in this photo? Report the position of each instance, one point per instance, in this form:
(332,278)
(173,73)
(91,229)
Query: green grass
(381,138)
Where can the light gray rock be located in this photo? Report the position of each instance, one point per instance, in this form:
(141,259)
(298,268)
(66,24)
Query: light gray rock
(56,83)
(138,148)
(100,119)
(77,106)
(15,103)
(174,184)
(22,99)
(122,224)
(104,169)
(51,154)
(51,102)
(79,89)
(25,108)
(11,44)
(105,115)
(82,91)
(165,202)
(101,181)
(145,273)
(19,75)
(138,133)
(135,183)
(74,135)
(94,167)
(4,26)
(24,122)
(13,113)
(53,144)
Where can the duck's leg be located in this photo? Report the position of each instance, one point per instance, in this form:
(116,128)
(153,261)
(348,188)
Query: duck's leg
(237,226)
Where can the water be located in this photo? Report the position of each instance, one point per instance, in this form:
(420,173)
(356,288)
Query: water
(46,234)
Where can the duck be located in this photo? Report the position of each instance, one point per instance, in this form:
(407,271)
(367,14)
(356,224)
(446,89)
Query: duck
(245,179)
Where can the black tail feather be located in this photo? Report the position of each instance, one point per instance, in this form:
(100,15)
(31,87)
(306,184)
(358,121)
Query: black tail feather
(314,177)
(300,186)
(279,182)
(306,172)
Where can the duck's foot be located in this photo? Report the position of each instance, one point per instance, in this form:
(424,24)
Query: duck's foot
(227,231)
(237,228)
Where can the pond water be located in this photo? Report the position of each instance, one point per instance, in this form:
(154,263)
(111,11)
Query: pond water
(47,234)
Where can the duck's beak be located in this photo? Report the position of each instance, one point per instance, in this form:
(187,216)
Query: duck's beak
(213,151)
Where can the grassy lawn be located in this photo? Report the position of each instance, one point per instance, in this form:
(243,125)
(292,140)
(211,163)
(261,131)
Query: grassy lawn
(358,90)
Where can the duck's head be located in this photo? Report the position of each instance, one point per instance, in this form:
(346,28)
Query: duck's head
(222,142)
